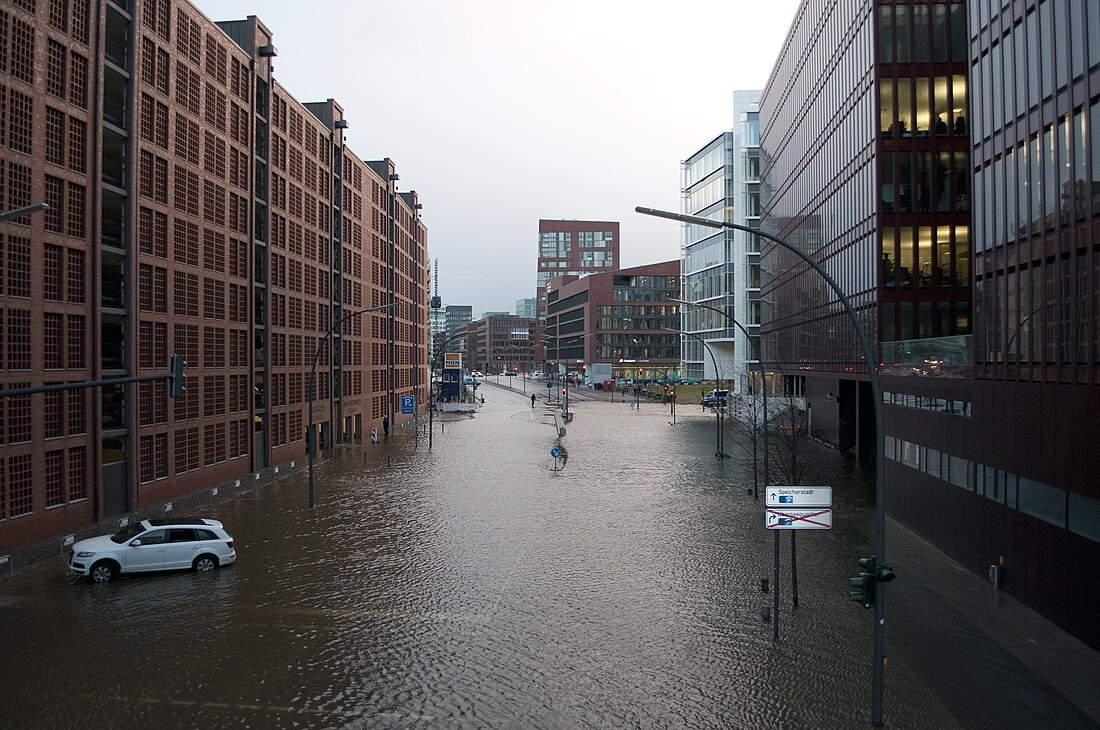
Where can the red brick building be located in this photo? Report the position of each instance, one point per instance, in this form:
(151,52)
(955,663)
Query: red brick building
(195,208)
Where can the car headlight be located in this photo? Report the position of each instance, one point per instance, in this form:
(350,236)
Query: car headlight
(85,554)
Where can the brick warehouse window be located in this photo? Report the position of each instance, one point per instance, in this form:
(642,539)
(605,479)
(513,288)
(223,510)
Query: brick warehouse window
(186,300)
(54,414)
(75,284)
(75,420)
(55,481)
(78,81)
(55,69)
(52,339)
(20,485)
(185,242)
(22,50)
(76,210)
(80,21)
(78,479)
(78,145)
(75,349)
(19,340)
(213,347)
(59,15)
(53,273)
(21,124)
(55,137)
(18,266)
(214,436)
(53,217)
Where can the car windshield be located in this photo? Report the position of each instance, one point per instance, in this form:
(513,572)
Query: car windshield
(127,533)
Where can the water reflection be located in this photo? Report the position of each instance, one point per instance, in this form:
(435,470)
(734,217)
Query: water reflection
(473,586)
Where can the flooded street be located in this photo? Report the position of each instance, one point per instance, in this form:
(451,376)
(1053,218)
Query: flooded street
(474,586)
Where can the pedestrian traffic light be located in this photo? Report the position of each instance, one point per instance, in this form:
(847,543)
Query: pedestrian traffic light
(176,379)
(639,371)
(563,391)
(584,367)
(864,584)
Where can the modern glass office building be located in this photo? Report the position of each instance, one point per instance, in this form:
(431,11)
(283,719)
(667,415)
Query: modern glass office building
(721,267)
(1034,495)
(939,160)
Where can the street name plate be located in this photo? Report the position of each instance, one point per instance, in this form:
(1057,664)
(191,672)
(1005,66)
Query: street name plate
(799,497)
(798,519)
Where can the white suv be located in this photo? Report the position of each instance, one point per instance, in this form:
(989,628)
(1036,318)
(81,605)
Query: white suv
(163,544)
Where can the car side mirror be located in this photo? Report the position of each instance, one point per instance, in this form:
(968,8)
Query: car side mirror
(135,543)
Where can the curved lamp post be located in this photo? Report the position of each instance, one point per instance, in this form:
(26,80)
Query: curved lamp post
(431,374)
(878,630)
(763,384)
(719,434)
(310,438)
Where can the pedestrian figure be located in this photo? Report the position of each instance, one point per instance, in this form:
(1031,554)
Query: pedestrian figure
(532,400)
(386,425)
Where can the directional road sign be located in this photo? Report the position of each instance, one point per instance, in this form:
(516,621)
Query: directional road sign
(798,496)
(408,403)
(798,519)
(555,452)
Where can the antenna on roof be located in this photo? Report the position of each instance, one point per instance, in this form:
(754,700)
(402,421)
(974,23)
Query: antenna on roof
(436,301)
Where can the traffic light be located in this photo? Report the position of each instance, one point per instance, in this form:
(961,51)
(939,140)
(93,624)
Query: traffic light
(563,391)
(176,379)
(864,584)
(884,574)
(639,371)
(584,367)
(672,392)
(515,369)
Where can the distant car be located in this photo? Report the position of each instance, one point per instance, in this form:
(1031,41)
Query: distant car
(195,543)
(715,399)
(510,373)
(470,380)
(477,374)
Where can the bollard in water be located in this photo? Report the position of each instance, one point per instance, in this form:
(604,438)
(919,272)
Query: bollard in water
(763,585)
(765,612)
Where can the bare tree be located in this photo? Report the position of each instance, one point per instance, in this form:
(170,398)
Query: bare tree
(794,457)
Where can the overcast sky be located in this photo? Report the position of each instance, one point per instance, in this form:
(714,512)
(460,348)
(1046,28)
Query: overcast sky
(502,112)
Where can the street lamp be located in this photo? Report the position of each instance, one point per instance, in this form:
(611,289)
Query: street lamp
(763,383)
(878,627)
(310,438)
(718,424)
(7,215)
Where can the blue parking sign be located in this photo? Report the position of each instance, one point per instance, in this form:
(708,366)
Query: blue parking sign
(408,403)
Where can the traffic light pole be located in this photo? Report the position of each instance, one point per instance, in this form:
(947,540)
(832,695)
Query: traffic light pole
(878,629)
(82,384)
(310,436)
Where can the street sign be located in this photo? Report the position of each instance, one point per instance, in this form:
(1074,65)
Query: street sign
(799,497)
(555,452)
(408,404)
(798,519)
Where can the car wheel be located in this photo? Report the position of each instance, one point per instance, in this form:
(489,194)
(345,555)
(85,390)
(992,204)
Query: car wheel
(204,564)
(103,572)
